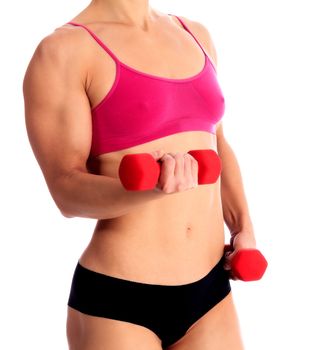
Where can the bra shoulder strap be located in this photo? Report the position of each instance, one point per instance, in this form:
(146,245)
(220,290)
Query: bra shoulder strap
(100,42)
(188,30)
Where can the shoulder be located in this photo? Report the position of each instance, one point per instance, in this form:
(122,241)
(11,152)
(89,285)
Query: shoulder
(59,52)
(203,35)
(63,43)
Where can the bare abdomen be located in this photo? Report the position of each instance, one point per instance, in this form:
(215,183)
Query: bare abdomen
(175,240)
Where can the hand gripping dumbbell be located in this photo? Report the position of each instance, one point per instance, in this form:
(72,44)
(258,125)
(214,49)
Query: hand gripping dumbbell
(140,172)
(247,264)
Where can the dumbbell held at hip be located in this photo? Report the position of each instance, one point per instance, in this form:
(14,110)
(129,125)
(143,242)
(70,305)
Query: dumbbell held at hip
(140,172)
(247,264)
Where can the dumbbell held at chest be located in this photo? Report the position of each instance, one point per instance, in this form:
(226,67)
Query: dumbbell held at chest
(140,172)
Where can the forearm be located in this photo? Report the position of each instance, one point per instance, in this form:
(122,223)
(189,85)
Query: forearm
(88,195)
(234,203)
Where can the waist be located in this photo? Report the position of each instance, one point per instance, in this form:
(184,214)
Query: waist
(156,248)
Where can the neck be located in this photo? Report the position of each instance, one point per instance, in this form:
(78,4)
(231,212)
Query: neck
(136,13)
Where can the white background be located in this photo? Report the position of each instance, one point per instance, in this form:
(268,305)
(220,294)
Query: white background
(265,68)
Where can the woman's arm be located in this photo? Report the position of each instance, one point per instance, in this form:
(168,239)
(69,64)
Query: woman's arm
(234,203)
(58,122)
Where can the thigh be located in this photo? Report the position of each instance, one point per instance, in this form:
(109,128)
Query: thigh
(218,329)
(85,332)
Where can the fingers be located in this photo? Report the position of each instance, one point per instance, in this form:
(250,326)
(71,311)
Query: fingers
(187,168)
(167,172)
(179,167)
(227,265)
(227,261)
(179,172)
(158,154)
(194,170)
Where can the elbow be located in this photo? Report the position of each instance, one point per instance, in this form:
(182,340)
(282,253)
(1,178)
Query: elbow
(68,206)
(64,209)
(59,195)
(67,214)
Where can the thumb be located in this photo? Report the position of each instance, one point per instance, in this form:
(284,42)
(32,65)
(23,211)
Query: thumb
(158,154)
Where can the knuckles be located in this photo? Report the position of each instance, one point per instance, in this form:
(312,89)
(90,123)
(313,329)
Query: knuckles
(176,161)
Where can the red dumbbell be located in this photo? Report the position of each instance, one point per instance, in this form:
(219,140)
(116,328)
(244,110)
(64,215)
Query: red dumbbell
(140,172)
(247,264)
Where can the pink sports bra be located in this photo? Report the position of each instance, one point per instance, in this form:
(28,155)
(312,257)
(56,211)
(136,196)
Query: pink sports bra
(142,107)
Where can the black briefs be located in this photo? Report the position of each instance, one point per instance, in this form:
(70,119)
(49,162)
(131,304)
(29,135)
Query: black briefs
(167,310)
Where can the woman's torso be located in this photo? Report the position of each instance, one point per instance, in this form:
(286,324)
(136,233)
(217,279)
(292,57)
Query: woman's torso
(176,239)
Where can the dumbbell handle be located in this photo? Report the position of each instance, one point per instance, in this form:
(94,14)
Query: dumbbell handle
(139,172)
(247,264)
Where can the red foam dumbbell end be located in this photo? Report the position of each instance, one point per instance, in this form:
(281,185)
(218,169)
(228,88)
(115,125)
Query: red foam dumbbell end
(248,264)
(139,172)
(209,165)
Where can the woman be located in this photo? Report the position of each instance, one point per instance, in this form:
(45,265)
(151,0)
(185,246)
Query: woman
(123,78)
